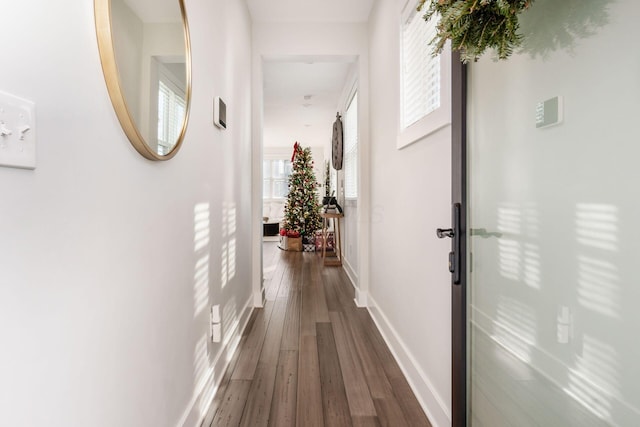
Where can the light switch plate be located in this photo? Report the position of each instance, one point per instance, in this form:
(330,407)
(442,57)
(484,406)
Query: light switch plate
(17,132)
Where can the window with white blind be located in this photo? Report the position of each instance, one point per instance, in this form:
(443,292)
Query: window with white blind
(275,178)
(350,149)
(171,112)
(420,70)
(424,79)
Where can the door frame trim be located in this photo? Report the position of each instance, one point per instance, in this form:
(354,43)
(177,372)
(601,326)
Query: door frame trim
(459,195)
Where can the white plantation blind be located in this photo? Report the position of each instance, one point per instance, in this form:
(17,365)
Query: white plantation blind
(275,179)
(171,111)
(350,141)
(420,70)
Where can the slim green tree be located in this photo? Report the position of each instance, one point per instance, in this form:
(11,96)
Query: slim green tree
(302,210)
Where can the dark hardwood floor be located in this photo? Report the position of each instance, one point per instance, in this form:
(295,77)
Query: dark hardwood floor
(311,358)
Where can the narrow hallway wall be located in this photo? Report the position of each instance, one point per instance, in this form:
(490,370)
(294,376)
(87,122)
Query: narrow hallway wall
(110,263)
(410,296)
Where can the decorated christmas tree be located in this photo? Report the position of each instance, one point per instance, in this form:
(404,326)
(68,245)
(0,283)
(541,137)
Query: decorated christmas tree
(302,210)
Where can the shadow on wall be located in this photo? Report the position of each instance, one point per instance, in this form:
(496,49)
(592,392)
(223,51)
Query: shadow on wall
(204,383)
(229,227)
(551,25)
(222,322)
(201,239)
(585,372)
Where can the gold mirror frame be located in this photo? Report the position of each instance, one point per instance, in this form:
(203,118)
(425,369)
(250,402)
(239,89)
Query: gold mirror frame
(102,10)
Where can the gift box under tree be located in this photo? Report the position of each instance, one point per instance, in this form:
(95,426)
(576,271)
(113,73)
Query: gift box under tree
(290,240)
(319,240)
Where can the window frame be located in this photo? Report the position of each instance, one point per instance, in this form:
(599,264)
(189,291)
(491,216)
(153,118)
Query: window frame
(271,179)
(175,87)
(174,100)
(353,93)
(441,116)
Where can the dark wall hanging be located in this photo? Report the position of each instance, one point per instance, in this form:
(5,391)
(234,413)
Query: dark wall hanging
(336,144)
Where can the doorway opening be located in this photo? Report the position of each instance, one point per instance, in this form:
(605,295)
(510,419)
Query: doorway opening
(301,97)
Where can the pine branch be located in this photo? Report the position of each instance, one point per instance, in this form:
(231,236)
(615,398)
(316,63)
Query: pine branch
(473,26)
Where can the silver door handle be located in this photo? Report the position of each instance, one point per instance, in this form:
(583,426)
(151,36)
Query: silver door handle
(445,232)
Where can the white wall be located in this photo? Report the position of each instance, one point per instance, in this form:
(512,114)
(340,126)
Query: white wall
(411,193)
(109,261)
(331,42)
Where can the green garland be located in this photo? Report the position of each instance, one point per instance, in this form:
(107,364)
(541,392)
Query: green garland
(473,26)
(327,179)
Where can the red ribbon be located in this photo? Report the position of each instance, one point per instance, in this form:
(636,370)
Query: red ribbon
(296,148)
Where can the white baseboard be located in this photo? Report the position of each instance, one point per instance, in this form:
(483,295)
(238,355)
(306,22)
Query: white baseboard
(351,274)
(361,297)
(431,402)
(205,391)
(260,297)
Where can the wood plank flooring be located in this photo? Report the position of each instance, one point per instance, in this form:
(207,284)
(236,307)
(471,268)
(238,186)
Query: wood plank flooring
(311,358)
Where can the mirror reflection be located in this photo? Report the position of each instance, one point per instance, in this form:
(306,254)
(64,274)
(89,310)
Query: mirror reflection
(151,55)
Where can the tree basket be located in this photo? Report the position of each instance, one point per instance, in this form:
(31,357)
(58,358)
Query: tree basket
(294,244)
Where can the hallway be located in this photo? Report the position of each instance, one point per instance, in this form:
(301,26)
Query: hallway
(311,358)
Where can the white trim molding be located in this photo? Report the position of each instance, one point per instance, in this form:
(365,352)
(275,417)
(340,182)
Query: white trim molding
(257,98)
(360,297)
(432,403)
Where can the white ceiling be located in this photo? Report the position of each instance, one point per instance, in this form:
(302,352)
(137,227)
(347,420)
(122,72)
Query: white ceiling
(288,117)
(287,81)
(310,10)
(267,10)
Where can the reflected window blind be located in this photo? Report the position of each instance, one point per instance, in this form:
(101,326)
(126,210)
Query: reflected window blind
(350,141)
(171,111)
(420,70)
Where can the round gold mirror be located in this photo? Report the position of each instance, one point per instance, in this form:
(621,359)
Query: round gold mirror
(146,60)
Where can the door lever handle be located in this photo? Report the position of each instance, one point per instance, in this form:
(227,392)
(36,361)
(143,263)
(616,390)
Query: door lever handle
(445,232)
(454,233)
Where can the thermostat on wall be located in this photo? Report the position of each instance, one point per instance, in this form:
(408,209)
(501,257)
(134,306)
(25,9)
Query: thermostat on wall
(219,113)
(549,112)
